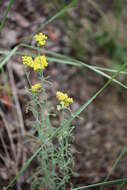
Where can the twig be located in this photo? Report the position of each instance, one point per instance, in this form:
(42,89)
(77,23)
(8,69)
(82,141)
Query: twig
(9,133)
(12,145)
(18,108)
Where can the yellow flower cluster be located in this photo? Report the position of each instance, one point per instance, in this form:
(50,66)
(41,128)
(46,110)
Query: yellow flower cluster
(63,97)
(40,39)
(35,87)
(39,63)
(27,60)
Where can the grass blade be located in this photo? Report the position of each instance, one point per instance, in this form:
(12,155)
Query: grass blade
(123,151)
(24,167)
(81,64)
(61,59)
(57,15)
(101,183)
(60,13)
(7,58)
(5,15)
(85,105)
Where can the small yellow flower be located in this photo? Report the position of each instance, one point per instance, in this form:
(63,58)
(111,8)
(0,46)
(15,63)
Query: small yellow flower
(63,98)
(40,39)
(68,101)
(27,60)
(35,87)
(40,63)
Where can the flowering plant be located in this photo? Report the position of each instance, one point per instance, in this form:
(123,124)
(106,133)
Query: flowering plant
(55,158)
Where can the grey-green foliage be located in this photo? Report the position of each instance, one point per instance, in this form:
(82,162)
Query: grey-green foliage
(55,158)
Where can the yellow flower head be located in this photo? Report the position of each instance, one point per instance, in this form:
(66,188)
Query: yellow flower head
(40,63)
(63,98)
(35,87)
(68,101)
(27,60)
(40,39)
